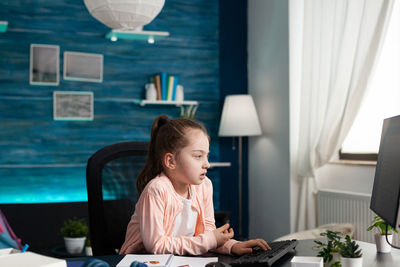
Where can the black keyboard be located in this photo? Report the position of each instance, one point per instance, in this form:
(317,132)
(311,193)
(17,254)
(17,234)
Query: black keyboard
(260,257)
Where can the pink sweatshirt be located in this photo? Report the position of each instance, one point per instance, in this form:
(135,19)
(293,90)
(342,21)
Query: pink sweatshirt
(152,223)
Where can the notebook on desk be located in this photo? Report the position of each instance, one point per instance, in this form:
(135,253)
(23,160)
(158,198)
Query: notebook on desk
(30,259)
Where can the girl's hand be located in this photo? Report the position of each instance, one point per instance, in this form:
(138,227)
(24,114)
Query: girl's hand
(222,234)
(246,247)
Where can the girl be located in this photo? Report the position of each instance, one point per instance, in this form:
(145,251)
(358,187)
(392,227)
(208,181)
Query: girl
(175,213)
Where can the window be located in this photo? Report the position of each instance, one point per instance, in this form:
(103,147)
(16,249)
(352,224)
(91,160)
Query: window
(381,101)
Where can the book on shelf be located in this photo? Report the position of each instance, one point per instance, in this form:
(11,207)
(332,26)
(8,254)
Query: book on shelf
(170,87)
(165,85)
(165,260)
(176,79)
(163,76)
(157,82)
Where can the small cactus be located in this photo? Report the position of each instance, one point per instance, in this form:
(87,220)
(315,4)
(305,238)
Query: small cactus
(350,249)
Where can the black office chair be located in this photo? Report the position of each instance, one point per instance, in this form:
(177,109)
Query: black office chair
(111,186)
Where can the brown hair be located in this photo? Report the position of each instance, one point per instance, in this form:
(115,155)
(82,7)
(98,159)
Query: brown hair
(166,136)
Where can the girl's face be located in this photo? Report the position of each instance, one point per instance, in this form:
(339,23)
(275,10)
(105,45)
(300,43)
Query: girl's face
(192,161)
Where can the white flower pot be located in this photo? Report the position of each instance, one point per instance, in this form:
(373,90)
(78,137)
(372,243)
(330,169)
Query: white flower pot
(74,245)
(351,262)
(381,245)
(88,251)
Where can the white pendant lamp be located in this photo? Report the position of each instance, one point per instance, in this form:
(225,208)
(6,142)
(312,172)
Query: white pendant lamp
(124,14)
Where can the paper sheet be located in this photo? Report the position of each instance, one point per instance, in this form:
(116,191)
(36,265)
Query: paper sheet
(160,260)
(167,260)
(180,261)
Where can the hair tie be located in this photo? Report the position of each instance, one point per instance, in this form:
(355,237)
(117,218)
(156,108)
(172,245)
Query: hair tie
(162,121)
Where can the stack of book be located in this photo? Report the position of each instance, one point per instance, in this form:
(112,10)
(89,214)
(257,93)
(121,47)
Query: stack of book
(165,85)
(16,258)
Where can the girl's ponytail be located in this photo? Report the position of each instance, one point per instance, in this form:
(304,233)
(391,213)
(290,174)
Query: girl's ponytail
(153,165)
(167,136)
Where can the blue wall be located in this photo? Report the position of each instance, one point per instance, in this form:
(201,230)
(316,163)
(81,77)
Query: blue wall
(43,160)
(233,80)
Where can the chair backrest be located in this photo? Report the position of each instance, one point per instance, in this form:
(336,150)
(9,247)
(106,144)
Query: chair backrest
(111,186)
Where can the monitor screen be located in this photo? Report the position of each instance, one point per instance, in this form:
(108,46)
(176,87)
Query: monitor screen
(386,190)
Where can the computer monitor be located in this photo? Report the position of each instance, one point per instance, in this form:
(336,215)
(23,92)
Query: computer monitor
(386,191)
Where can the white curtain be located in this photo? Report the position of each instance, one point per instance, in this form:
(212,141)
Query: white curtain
(341,42)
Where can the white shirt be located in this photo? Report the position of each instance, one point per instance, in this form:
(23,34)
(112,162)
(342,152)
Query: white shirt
(185,222)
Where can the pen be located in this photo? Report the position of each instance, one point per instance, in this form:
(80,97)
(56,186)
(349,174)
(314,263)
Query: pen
(25,248)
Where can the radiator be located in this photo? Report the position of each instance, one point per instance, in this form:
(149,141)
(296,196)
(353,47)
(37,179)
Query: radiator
(348,207)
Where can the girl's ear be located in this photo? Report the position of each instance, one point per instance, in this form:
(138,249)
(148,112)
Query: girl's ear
(169,161)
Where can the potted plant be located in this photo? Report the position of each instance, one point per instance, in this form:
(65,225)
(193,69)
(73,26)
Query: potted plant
(380,237)
(350,253)
(329,251)
(74,232)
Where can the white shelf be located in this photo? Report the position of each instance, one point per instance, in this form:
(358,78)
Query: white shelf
(165,102)
(220,164)
(188,108)
(149,36)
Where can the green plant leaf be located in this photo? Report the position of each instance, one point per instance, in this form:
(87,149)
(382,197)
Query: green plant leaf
(350,249)
(336,264)
(74,228)
(326,250)
(380,225)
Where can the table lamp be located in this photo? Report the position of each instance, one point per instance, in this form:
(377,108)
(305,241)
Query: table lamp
(239,118)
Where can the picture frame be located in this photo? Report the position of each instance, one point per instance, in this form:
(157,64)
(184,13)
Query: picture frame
(73,106)
(44,66)
(83,67)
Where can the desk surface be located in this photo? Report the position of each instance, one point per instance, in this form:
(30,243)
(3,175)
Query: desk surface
(304,248)
(370,256)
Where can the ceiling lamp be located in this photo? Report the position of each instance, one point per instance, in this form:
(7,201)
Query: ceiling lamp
(124,14)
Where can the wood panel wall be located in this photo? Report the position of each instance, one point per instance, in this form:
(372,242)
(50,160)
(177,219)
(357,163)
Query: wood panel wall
(42,160)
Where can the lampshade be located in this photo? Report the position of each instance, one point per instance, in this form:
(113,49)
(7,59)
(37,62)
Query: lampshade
(124,14)
(239,117)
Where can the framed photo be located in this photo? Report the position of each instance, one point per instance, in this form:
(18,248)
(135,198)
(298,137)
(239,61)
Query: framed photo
(73,106)
(44,65)
(83,67)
